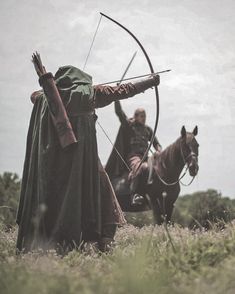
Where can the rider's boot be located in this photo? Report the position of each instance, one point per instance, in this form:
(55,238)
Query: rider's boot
(136,198)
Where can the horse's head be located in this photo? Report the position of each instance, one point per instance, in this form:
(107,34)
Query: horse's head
(189,150)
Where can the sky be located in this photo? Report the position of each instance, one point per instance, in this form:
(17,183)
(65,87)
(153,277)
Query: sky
(195,39)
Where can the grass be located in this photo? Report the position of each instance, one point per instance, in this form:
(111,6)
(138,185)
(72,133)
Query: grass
(143,261)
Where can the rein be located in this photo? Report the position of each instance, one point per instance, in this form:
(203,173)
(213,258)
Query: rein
(188,183)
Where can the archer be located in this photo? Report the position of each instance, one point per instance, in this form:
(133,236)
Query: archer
(66,196)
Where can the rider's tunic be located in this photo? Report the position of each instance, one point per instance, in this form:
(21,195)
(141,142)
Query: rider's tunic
(138,137)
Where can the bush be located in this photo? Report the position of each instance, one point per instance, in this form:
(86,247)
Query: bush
(9,197)
(202,209)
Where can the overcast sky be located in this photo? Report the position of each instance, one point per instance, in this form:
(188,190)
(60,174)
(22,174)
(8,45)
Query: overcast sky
(196,39)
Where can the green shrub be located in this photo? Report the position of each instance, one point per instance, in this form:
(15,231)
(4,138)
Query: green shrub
(203,209)
(9,197)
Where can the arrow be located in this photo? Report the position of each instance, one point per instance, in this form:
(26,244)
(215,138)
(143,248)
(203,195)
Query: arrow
(135,77)
(126,70)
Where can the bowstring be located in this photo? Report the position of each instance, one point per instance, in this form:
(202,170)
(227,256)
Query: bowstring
(107,136)
(88,55)
(92,43)
(119,82)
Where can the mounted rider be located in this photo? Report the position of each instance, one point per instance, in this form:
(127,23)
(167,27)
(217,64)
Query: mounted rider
(131,143)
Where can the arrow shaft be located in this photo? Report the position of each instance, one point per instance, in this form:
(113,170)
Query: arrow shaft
(135,77)
(126,70)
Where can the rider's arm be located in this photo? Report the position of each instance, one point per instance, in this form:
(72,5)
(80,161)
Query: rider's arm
(120,113)
(157,146)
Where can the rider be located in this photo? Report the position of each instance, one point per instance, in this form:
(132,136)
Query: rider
(131,143)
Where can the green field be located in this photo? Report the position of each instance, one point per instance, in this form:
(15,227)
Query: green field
(146,260)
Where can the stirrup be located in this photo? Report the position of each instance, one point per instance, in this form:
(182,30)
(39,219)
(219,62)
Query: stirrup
(137,200)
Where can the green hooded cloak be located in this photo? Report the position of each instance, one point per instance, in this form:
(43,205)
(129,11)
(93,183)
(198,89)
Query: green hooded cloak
(60,194)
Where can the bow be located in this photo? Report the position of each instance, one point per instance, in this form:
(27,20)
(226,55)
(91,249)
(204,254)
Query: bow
(155,87)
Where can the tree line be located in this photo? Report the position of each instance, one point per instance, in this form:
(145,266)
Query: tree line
(204,209)
(200,209)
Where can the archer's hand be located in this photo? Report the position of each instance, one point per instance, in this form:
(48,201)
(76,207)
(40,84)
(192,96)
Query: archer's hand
(37,62)
(158,149)
(157,79)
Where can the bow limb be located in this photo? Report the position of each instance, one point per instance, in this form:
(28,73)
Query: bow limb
(155,87)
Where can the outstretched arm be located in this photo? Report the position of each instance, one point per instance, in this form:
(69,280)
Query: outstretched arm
(104,95)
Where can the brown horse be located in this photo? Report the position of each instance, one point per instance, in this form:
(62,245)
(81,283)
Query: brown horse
(163,178)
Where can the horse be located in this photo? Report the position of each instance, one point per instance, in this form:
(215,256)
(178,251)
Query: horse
(163,178)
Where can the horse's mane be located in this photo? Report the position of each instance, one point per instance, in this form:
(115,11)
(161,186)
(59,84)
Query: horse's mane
(166,158)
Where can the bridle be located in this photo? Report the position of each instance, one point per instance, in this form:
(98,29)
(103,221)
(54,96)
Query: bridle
(185,160)
(191,154)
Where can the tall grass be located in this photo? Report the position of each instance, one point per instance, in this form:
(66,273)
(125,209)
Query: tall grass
(143,261)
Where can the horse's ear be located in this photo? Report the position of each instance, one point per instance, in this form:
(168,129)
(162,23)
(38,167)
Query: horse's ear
(195,131)
(183,131)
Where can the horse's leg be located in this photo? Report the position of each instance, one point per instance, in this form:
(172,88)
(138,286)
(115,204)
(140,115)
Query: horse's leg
(169,200)
(157,207)
(169,210)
